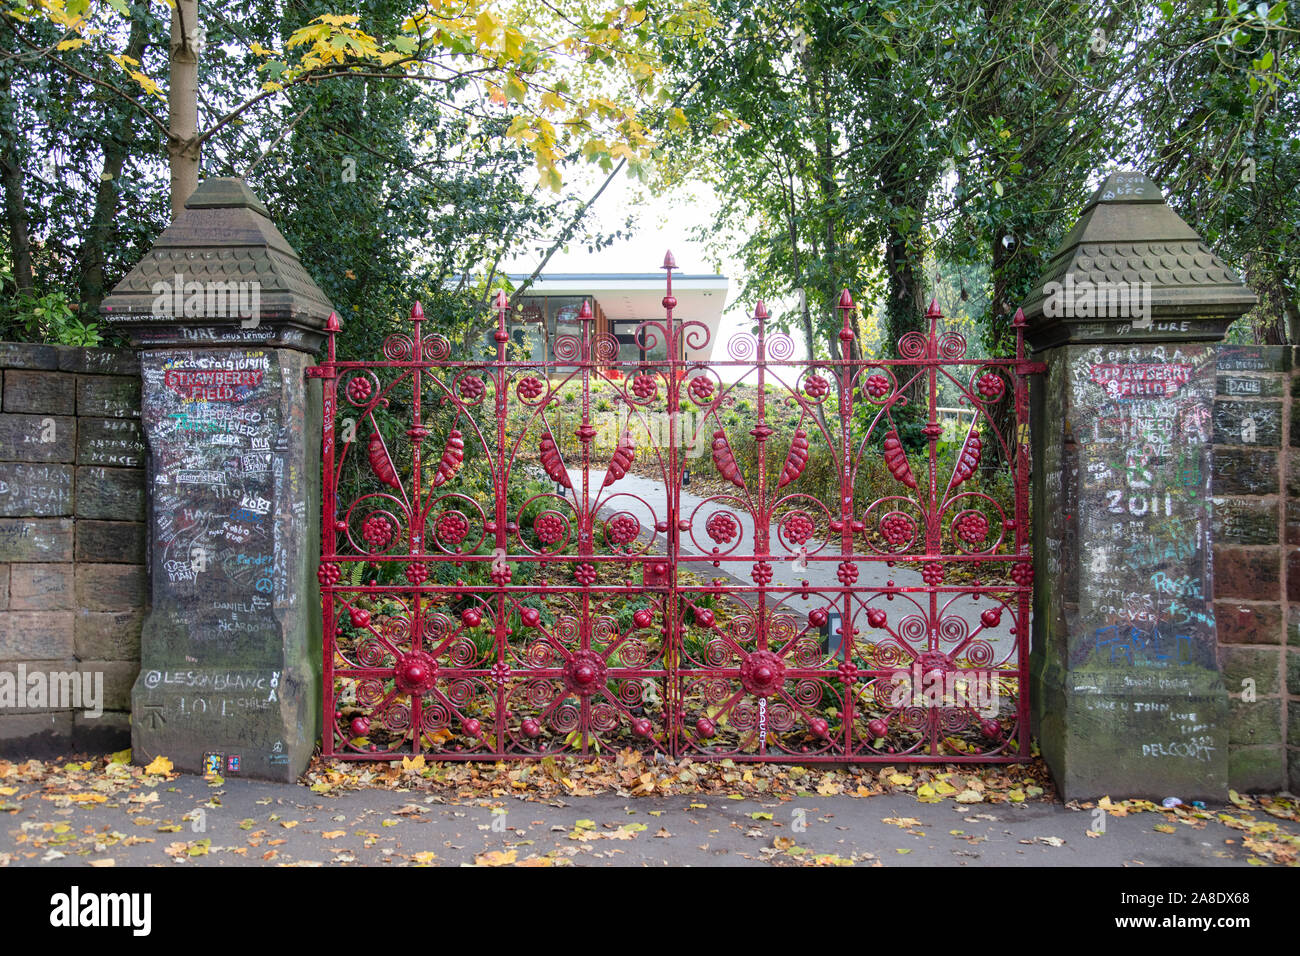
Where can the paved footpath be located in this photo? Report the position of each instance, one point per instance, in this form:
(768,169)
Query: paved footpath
(239,823)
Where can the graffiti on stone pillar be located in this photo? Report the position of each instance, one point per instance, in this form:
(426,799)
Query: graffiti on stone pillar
(1141,417)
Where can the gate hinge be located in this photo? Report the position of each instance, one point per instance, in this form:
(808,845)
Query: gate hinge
(1031,368)
(322,371)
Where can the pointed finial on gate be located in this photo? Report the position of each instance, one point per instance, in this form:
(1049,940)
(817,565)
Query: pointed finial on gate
(669,261)
(332,324)
(760,312)
(1019,320)
(585,312)
(846,310)
(502,305)
(417,312)
(934,312)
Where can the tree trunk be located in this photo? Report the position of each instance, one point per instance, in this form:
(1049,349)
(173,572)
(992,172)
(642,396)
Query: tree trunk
(11,174)
(183,104)
(106,195)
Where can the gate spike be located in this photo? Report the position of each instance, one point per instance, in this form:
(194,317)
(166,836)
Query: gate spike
(669,261)
(585,312)
(332,324)
(1019,320)
(846,300)
(934,312)
(417,313)
(760,312)
(502,304)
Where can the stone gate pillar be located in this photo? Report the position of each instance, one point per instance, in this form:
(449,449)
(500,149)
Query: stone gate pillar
(1127,694)
(226,321)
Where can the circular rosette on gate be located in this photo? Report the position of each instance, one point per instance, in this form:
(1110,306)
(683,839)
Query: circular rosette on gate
(816,384)
(801,522)
(987,385)
(361,389)
(642,389)
(532,389)
(455,525)
(627,524)
(704,387)
(372,525)
(978,524)
(470,387)
(878,384)
(894,525)
(550,519)
(721,525)
(621,530)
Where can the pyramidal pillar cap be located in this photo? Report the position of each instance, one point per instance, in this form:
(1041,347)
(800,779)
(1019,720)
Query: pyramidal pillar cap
(221,274)
(1130,271)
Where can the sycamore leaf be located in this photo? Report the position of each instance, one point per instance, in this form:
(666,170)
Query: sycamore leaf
(516,89)
(160,765)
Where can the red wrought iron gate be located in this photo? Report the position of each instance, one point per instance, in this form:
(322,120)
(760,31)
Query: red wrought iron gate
(511,567)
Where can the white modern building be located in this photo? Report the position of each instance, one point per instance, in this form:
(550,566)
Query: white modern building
(619,302)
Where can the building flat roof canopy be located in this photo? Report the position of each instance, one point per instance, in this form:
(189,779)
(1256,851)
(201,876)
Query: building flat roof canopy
(638,295)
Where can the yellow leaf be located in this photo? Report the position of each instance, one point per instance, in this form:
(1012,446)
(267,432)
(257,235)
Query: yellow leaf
(550,177)
(969,796)
(424,856)
(1164,828)
(160,765)
(416,763)
(122,756)
(333,834)
(900,779)
(496,858)
(516,89)
(514,42)
(484,28)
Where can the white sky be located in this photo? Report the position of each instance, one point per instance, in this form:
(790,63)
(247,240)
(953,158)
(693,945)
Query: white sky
(664,223)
